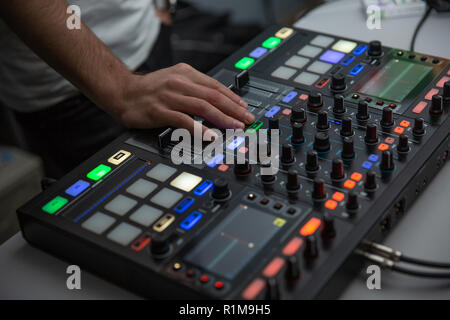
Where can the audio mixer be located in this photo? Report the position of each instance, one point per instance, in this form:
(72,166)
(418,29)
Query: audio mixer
(363,129)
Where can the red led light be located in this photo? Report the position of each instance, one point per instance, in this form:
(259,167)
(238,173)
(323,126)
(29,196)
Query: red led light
(253,289)
(310,227)
(292,246)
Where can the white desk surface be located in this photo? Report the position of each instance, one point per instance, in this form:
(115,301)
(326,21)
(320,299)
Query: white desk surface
(28,273)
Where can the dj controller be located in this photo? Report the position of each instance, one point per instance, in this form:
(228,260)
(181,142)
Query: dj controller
(363,129)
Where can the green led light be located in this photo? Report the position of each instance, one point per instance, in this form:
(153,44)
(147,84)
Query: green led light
(254,127)
(55,204)
(244,63)
(98,172)
(271,42)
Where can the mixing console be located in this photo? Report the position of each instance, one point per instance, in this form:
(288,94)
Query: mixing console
(363,129)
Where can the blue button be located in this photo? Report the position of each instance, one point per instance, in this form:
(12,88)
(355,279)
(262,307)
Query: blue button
(373,158)
(77,188)
(288,98)
(348,60)
(191,220)
(258,53)
(203,188)
(272,112)
(356,69)
(359,49)
(215,161)
(332,56)
(367,165)
(184,205)
(235,143)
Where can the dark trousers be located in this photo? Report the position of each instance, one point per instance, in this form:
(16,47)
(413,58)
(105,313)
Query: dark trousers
(67,133)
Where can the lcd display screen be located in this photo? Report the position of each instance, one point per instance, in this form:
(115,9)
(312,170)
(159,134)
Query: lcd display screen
(396,80)
(227,248)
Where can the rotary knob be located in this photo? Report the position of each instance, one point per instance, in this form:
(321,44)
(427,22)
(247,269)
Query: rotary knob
(322,120)
(315,100)
(346,129)
(293,268)
(297,133)
(287,154)
(159,245)
(387,119)
(403,143)
(370,181)
(363,111)
(318,189)
(293,183)
(312,161)
(321,142)
(375,49)
(241,169)
(348,149)
(371,134)
(328,227)
(352,201)
(221,189)
(338,105)
(274,123)
(446,93)
(298,114)
(387,160)
(337,169)
(338,82)
(419,127)
(437,106)
(311,248)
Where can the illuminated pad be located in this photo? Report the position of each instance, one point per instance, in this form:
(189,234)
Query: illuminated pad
(283,33)
(146,215)
(98,223)
(161,172)
(119,157)
(296,62)
(271,42)
(166,198)
(186,181)
(309,51)
(283,72)
(332,56)
(124,233)
(322,41)
(120,205)
(142,188)
(55,204)
(344,46)
(306,78)
(319,67)
(99,172)
(244,63)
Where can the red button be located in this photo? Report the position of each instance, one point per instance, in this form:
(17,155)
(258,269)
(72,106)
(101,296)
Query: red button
(204,278)
(322,83)
(419,107)
(287,112)
(223,167)
(349,184)
(356,176)
(399,130)
(383,147)
(219,285)
(441,82)
(253,289)
(338,196)
(243,150)
(405,123)
(431,93)
(303,97)
(292,246)
(330,204)
(310,227)
(274,266)
(389,140)
(141,243)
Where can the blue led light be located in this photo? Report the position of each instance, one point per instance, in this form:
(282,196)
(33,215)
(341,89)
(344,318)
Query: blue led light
(258,52)
(356,69)
(359,49)
(335,121)
(77,188)
(348,60)
(235,143)
(184,205)
(288,98)
(373,158)
(203,188)
(215,161)
(273,111)
(191,220)
(332,56)
(367,165)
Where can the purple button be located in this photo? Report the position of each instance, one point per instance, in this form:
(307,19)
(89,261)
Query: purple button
(258,53)
(332,56)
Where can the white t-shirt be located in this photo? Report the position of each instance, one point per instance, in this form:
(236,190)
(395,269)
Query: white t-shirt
(128,27)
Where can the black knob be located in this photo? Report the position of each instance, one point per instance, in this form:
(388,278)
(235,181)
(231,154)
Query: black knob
(315,100)
(338,82)
(403,144)
(311,248)
(312,161)
(348,149)
(387,160)
(338,105)
(363,111)
(346,129)
(437,106)
(242,168)
(267,178)
(273,289)
(387,118)
(352,201)
(221,189)
(274,123)
(318,189)
(298,114)
(337,169)
(419,127)
(322,120)
(159,244)
(292,180)
(328,227)
(292,268)
(375,49)
(371,134)
(446,93)
(370,181)
(287,154)
(321,142)
(297,133)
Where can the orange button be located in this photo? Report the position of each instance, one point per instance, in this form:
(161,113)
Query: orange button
(383,147)
(431,93)
(253,289)
(419,107)
(389,140)
(399,130)
(405,123)
(331,204)
(292,246)
(338,196)
(310,227)
(222,167)
(274,266)
(349,184)
(441,82)
(287,112)
(356,176)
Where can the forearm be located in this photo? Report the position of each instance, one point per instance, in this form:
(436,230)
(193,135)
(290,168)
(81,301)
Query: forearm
(78,55)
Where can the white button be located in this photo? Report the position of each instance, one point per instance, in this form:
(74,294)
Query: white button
(283,72)
(146,215)
(344,46)
(120,205)
(309,51)
(98,223)
(142,188)
(161,172)
(186,181)
(166,198)
(306,78)
(296,62)
(319,67)
(124,233)
(322,41)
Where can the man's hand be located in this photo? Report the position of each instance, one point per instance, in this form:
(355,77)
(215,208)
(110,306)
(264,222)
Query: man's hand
(165,97)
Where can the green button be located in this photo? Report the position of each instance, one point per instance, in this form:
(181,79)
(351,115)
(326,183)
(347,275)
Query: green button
(254,127)
(244,63)
(271,42)
(54,205)
(98,172)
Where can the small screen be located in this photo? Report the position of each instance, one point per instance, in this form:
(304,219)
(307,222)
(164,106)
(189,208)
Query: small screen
(396,80)
(227,248)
